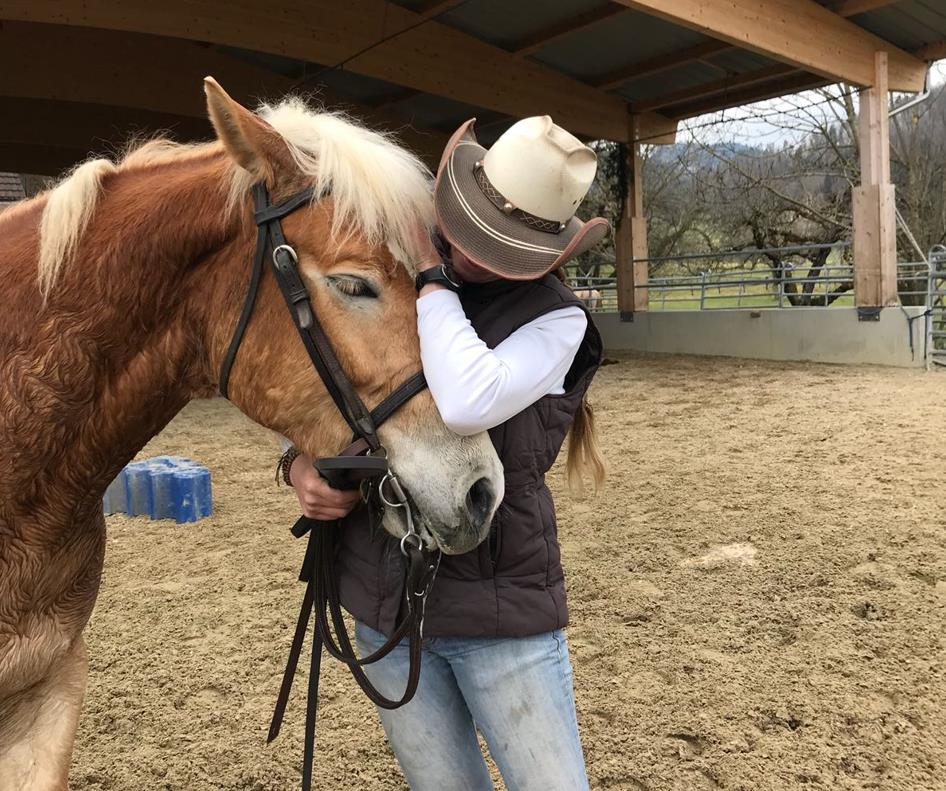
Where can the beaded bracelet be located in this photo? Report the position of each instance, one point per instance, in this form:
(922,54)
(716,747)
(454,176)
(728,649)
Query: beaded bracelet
(284,466)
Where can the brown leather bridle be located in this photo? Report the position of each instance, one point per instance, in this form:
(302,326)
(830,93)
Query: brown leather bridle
(362,464)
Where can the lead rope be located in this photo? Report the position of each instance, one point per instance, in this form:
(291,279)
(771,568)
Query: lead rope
(321,594)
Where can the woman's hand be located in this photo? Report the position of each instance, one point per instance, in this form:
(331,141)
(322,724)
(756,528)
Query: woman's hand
(317,498)
(429,255)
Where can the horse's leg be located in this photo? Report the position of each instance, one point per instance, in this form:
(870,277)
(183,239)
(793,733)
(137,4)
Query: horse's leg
(38,726)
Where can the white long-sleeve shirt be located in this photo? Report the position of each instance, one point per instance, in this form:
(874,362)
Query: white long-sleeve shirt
(476,388)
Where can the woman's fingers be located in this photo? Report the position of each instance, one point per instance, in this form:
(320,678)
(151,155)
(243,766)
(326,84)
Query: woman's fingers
(317,498)
(317,488)
(326,514)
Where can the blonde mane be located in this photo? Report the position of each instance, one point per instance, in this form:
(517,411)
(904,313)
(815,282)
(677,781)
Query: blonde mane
(377,187)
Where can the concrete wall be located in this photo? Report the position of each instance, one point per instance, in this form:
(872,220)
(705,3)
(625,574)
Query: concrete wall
(830,335)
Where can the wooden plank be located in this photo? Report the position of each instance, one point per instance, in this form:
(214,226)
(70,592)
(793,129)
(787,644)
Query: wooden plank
(793,83)
(849,8)
(702,52)
(660,63)
(536,41)
(424,55)
(156,75)
(723,85)
(92,128)
(935,50)
(887,235)
(798,32)
(630,241)
(874,129)
(873,201)
(864,202)
(875,245)
(434,8)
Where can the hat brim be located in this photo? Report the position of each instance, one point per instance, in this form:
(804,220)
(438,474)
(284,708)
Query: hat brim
(491,239)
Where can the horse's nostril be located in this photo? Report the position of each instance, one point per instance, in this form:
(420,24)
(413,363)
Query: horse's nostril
(479,502)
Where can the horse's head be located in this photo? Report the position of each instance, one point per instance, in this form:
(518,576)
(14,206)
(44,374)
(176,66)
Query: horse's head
(354,242)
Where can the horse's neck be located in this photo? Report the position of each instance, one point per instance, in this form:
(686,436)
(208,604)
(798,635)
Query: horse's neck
(117,352)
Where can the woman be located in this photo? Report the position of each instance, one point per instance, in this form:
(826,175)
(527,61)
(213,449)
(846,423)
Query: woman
(511,351)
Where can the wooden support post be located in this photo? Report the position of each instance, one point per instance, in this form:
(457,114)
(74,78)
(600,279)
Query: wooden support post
(873,208)
(630,241)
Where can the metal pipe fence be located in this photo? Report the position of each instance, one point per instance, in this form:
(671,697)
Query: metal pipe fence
(770,285)
(936,308)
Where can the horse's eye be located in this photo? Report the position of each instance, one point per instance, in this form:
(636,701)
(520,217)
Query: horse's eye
(353,287)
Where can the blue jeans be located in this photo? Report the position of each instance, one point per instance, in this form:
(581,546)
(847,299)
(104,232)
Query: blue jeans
(516,691)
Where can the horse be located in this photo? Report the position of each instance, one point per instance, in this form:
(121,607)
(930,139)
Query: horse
(122,288)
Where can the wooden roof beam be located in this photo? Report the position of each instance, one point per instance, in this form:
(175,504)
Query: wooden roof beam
(849,8)
(792,83)
(724,85)
(801,33)
(434,8)
(703,52)
(536,41)
(933,51)
(158,75)
(661,63)
(90,128)
(424,55)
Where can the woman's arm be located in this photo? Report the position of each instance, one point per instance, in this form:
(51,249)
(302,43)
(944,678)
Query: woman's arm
(475,387)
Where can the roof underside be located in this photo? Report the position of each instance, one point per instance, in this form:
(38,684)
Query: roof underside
(606,59)
(650,63)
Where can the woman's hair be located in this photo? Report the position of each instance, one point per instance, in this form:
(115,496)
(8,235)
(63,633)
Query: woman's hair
(584,454)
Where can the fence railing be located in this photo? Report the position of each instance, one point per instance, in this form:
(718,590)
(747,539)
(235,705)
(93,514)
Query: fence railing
(762,285)
(936,308)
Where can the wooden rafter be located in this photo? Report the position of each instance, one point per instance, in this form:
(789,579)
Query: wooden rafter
(433,8)
(547,35)
(724,85)
(661,63)
(429,57)
(701,53)
(933,51)
(159,75)
(88,127)
(395,98)
(848,8)
(801,33)
(793,83)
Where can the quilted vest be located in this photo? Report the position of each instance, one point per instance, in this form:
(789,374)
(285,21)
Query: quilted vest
(512,584)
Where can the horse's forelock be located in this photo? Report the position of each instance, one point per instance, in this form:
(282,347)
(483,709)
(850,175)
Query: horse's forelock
(377,186)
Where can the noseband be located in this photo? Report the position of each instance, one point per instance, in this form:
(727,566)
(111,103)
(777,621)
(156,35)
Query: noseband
(362,464)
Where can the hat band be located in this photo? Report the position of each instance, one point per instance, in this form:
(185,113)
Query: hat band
(506,207)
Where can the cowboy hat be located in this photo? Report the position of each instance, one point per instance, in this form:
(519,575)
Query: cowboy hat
(511,208)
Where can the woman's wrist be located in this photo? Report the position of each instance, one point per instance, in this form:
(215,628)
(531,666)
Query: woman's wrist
(299,464)
(284,465)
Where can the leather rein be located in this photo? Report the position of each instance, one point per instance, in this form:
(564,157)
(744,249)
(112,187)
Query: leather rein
(362,464)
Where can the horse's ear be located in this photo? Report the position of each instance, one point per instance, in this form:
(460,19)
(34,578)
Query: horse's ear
(254,144)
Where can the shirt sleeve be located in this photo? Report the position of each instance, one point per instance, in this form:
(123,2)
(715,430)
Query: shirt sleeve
(476,388)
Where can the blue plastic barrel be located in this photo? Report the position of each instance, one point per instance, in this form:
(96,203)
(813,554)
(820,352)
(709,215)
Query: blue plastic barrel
(162,487)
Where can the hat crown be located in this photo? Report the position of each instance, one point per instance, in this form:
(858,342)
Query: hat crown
(541,168)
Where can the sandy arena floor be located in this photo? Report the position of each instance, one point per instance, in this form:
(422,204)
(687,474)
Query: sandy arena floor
(758,598)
